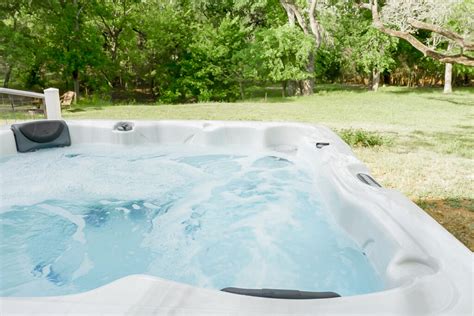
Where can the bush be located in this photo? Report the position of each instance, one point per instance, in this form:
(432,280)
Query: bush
(361,138)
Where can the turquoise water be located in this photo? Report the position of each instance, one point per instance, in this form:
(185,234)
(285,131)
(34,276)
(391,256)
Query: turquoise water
(73,219)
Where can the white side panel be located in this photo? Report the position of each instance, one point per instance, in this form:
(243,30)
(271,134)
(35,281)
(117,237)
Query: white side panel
(426,270)
(7,142)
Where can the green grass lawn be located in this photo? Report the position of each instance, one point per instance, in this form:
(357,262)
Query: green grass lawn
(426,137)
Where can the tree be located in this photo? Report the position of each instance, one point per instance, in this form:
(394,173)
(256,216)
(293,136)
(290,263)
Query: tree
(163,47)
(17,40)
(71,42)
(186,51)
(304,13)
(363,49)
(280,54)
(118,25)
(215,67)
(372,52)
(403,19)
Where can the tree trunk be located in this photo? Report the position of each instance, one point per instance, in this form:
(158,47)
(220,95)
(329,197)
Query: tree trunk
(291,88)
(6,81)
(375,79)
(448,76)
(310,26)
(308,84)
(300,87)
(152,88)
(283,88)
(75,77)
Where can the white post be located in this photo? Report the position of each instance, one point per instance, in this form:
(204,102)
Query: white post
(52,104)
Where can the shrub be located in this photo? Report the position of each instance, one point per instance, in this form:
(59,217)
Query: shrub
(361,138)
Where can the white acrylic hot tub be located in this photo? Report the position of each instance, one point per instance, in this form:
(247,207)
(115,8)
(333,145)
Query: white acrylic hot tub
(424,268)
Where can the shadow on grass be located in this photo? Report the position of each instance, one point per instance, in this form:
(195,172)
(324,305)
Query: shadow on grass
(268,94)
(459,101)
(85,108)
(75,110)
(323,88)
(427,90)
(268,99)
(455,214)
(273,94)
(416,90)
(457,143)
(468,127)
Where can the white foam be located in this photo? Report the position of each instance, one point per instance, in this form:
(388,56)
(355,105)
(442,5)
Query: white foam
(200,216)
(86,266)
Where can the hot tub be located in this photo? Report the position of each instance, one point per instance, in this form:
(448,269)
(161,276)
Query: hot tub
(155,217)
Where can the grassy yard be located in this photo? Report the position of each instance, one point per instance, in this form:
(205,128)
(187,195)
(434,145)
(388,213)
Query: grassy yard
(426,137)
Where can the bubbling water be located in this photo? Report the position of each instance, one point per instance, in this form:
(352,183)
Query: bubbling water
(73,219)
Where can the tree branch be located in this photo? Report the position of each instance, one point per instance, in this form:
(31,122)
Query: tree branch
(442,57)
(289,13)
(458,39)
(311,27)
(293,12)
(299,18)
(315,28)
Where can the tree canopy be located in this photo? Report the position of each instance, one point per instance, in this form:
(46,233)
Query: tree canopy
(189,51)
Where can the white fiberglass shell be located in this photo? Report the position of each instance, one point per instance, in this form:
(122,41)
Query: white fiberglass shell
(424,268)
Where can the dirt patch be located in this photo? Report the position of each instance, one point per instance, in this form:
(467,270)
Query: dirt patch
(456,215)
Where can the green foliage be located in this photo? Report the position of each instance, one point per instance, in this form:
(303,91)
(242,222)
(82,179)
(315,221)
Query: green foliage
(463,74)
(217,61)
(361,138)
(190,51)
(328,64)
(17,40)
(71,42)
(374,50)
(365,49)
(281,53)
(117,22)
(164,39)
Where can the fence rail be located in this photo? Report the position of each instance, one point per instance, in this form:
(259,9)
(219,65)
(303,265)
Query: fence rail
(22,93)
(50,98)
